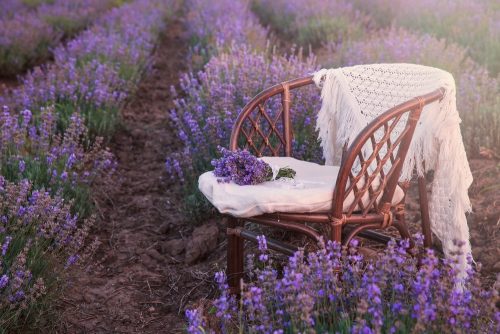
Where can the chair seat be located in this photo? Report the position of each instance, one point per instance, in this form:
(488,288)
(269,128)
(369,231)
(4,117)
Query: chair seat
(310,191)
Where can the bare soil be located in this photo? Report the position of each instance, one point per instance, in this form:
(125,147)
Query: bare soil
(138,281)
(7,84)
(484,222)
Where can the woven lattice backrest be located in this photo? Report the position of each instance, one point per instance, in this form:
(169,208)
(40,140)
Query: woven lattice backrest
(371,168)
(264,126)
(262,131)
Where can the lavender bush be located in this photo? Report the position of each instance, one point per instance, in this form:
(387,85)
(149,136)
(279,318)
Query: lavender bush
(312,22)
(94,73)
(27,36)
(214,26)
(36,232)
(65,165)
(478,97)
(473,24)
(333,290)
(45,206)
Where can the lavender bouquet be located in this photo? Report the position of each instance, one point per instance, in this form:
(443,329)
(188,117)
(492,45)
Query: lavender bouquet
(243,168)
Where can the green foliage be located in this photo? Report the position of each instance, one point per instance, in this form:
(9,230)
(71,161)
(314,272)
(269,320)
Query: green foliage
(66,25)
(32,4)
(25,51)
(119,3)
(101,121)
(314,23)
(319,30)
(196,206)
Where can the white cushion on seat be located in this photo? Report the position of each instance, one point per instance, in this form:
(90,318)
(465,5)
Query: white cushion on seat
(312,191)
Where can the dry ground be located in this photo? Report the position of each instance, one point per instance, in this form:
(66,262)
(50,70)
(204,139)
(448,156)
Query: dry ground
(133,284)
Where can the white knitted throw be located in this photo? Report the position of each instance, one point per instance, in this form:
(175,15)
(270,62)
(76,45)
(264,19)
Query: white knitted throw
(353,96)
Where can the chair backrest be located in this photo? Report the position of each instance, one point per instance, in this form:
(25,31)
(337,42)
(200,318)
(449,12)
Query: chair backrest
(265,133)
(370,167)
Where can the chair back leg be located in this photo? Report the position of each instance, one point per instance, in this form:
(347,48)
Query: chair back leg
(424,211)
(235,255)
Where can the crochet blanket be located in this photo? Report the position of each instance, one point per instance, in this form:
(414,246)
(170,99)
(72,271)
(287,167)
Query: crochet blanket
(353,96)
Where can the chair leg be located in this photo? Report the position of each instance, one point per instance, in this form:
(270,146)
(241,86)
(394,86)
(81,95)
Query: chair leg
(424,212)
(235,256)
(336,231)
(402,228)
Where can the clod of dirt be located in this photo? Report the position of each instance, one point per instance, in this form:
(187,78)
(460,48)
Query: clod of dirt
(165,228)
(153,253)
(173,247)
(201,243)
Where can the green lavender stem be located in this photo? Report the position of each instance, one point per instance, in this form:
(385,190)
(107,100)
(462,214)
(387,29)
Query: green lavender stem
(282,172)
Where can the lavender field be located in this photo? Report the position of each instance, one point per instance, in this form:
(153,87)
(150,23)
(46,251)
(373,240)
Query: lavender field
(112,109)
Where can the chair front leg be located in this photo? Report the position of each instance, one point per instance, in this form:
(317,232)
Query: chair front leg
(336,229)
(235,255)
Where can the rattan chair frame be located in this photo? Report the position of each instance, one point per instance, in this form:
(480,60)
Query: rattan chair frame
(359,219)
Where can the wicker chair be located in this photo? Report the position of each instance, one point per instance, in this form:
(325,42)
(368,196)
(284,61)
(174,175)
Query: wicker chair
(362,216)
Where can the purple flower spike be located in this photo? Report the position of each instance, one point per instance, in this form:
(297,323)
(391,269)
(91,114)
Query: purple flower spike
(6,244)
(4,280)
(336,291)
(195,322)
(22,166)
(263,257)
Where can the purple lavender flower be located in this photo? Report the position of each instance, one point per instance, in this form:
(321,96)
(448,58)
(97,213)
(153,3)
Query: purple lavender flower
(225,304)
(243,168)
(195,322)
(6,244)
(478,29)
(334,290)
(92,74)
(17,296)
(71,261)
(4,280)
(22,166)
(263,257)
(218,24)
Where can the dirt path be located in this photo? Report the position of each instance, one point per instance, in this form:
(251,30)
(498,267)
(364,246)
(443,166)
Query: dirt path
(135,285)
(7,84)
